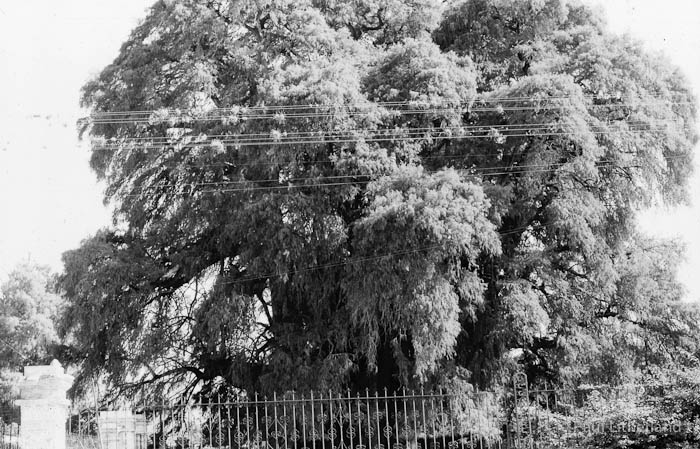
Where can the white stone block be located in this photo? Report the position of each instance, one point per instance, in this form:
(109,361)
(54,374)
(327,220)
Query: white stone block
(44,407)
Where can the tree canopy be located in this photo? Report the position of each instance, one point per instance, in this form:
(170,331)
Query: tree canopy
(368,194)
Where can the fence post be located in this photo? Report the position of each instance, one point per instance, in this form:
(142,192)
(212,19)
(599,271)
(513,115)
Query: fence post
(521,415)
(44,407)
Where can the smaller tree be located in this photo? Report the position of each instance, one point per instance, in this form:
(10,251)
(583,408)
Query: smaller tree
(28,311)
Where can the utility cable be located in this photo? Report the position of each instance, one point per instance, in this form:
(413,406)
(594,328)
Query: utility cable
(549,168)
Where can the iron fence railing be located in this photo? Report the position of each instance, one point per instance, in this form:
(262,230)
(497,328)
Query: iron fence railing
(521,417)
(9,434)
(410,420)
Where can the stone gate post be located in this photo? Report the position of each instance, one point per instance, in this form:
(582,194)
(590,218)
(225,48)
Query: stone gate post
(44,407)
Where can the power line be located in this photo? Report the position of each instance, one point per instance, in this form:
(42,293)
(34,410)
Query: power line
(419,107)
(336,181)
(272,114)
(405,135)
(22,356)
(664,98)
(474,171)
(236,137)
(184,163)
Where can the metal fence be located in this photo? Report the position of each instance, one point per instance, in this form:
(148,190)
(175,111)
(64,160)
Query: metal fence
(9,427)
(520,418)
(410,420)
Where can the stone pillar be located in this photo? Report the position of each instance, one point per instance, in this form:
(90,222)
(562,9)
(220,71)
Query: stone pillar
(44,407)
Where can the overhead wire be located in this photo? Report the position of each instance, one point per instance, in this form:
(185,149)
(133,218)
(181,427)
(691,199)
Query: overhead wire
(495,131)
(405,135)
(518,130)
(185,163)
(271,134)
(315,162)
(238,117)
(336,181)
(614,100)
(411,138)
(469,171)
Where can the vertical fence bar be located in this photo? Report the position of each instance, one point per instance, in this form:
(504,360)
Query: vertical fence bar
(258,433)
(529,418)
(369,419)
(415,419)
(480,417)
(228,422)
(313,420)
(218,414)
(184,412)
(161,440)
(153,424)
(239,436)
(471,422)
(425,422)
(451,413)
(406,428)
(175,425)
(303,422)
(396,422)
(359,421)
(248,419)
(266,423)
(432,421)
(331,431)
(442,418)
(387,428)
(210,425)
(351,429)
(274,416)
(323,422)
(379,427)
(341,420)
(285,421)
(149,427)
(295,432)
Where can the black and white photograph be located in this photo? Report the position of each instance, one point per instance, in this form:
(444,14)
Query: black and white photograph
(349,224)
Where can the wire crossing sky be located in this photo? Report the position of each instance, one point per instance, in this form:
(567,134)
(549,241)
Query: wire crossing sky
(49,199)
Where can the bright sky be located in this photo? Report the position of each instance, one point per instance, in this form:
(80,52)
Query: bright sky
(49,198)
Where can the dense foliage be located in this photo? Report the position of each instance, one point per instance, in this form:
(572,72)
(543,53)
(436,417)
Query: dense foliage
(663,416)
(379,193)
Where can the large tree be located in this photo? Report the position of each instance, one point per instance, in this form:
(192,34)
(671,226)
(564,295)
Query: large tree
(314,194)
